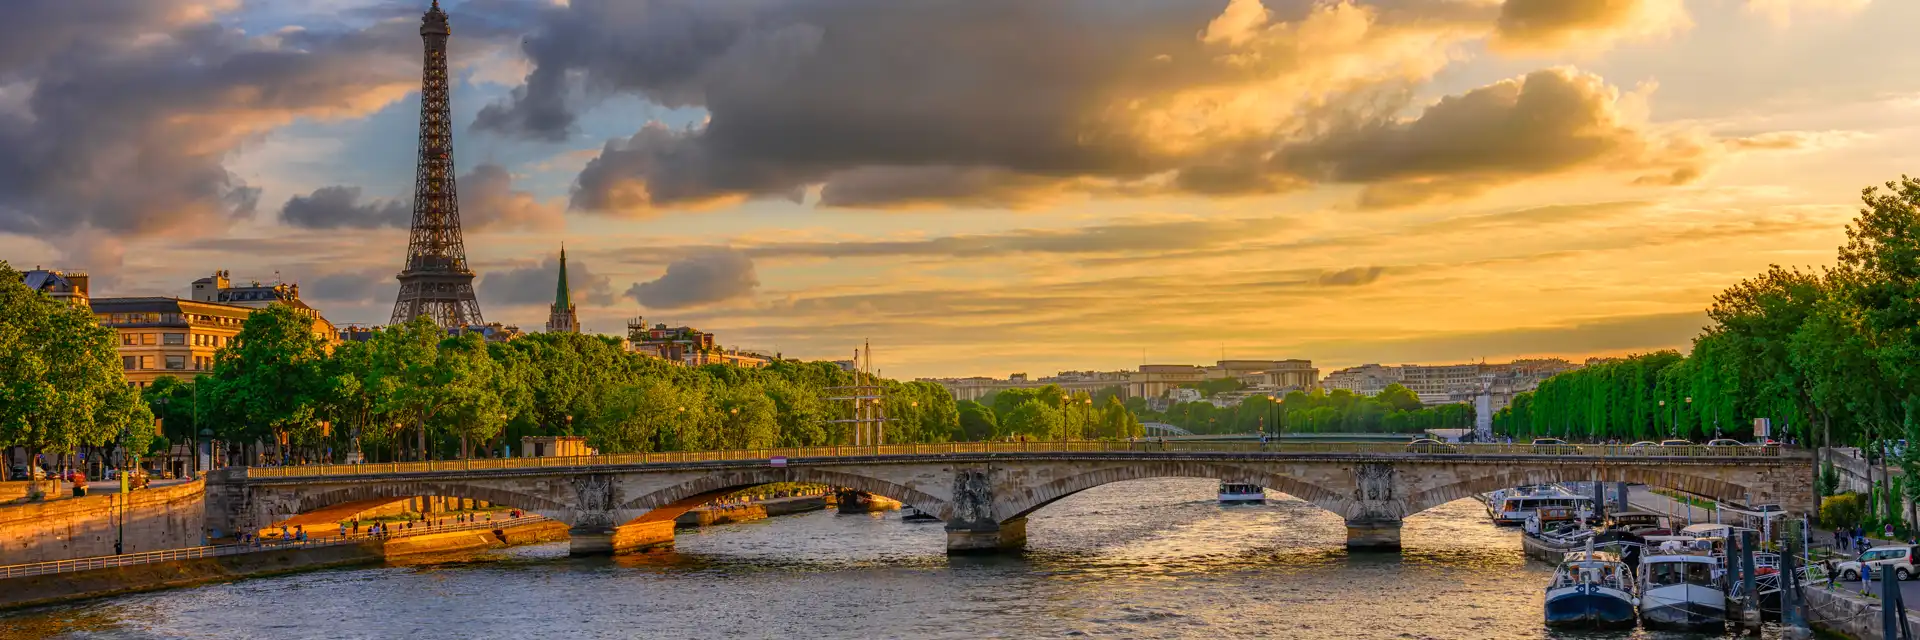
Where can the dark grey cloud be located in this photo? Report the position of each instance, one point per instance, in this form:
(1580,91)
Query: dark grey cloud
(339,207)
(126,111)
(1547,122)
(712,276)
(1006,103)
(536,284)
(355,287)
(487,201)
(1354,277)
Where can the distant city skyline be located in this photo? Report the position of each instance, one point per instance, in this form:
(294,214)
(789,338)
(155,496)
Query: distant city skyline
(1437,182)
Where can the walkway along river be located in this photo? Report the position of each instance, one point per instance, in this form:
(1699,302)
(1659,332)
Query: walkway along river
(1140,559)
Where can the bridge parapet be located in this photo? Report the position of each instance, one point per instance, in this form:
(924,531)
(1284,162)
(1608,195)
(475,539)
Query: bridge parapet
(985,491)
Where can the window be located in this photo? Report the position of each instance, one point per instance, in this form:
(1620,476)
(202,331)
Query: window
(128,339)
(176,362)
(146,362)
(173,339)
(129,362)
(146,338)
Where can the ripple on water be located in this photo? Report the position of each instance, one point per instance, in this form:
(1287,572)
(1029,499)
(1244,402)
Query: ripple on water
(1142,559)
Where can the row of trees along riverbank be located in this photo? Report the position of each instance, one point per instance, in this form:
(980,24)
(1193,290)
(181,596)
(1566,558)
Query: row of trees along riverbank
(412,392)
(1831,356)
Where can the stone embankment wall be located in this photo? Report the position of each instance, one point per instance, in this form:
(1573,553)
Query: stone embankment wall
(1844,612)
(159,518)
(68,587)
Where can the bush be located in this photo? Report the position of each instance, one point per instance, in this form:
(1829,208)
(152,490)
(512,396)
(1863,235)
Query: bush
(1829,479)
(1844,510)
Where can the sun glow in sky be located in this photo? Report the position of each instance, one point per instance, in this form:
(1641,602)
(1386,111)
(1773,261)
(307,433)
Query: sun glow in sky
(981,186)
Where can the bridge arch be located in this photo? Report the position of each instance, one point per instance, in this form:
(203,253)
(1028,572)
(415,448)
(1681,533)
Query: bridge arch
(1716,489)
(359,497)
(669,503)
(1056,490)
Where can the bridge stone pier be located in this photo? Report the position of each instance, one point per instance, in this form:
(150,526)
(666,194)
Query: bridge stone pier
(985,498)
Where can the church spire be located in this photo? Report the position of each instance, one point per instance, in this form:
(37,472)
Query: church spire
(563,319)
(561,300)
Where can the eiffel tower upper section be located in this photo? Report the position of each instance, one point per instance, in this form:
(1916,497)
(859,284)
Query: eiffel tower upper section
(436,282)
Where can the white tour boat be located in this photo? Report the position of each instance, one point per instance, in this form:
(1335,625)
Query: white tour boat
(1238,493)
(1682,585)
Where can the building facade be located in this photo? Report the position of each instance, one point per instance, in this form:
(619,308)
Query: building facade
(219,288)
(686,346)
(65,286)
(1155,380)
(168,336)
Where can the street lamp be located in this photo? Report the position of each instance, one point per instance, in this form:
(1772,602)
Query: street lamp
(1689,408)
(1672,431)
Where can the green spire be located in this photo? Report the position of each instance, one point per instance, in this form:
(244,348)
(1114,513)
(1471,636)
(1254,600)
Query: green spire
(561,301)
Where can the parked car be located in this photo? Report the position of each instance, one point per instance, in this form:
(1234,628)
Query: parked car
(1876,559)
(1642,447)
(1430,445)
(1552,446)
(1725,442)
(19,472)
(1677,443)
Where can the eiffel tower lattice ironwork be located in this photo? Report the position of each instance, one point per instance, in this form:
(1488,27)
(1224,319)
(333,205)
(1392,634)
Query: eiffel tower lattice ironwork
(437,282)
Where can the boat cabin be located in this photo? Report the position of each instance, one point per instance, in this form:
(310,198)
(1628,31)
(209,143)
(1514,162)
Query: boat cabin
(1642,523)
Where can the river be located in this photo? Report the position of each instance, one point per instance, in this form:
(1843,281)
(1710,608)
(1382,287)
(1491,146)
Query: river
(1141,559)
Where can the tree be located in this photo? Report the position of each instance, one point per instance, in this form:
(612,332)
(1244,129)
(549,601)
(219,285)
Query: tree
(1118,422)
(977,422)
(61,382)
(271,376)
(1398,397)
(747,414)
(1033,419)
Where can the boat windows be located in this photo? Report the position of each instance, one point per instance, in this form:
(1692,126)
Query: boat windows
(1672,573)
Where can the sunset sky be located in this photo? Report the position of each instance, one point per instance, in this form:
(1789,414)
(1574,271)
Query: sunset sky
(980,186)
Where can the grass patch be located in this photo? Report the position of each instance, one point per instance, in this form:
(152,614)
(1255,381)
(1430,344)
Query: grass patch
(1697,502)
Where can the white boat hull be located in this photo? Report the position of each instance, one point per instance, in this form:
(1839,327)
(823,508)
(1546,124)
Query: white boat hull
(1683,607)
(1243,498)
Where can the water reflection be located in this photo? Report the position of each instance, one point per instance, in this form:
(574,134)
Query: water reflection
(1142,559)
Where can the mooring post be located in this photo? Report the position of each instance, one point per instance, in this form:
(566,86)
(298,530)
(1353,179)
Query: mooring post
(1752,612)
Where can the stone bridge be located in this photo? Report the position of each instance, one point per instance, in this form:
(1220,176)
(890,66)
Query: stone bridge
(985,498)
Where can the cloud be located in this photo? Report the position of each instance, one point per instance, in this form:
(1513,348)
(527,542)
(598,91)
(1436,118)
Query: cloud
(890,104)
(1354,277)
(535,284)
(352,287)
(119,116)
(1782,12)
(1548,122)
(713,276)
(1533,25)
(487,202)
(339,207)
(1016,104)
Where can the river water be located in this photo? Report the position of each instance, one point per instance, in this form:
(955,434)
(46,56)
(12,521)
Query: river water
(1141,559)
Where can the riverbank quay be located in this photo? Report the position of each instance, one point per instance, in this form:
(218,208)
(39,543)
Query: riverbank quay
(1842,612)
(66,581)
(710,515)
(171,516)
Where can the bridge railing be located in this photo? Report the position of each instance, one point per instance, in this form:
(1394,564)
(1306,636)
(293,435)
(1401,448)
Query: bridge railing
(211,551)
(1141,446)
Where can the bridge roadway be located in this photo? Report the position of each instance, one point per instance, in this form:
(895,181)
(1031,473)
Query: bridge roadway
(985,491)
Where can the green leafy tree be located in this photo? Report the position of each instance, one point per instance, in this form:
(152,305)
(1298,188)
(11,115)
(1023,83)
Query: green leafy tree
(272,376)
(1398,398)
(61,382)
(1033,419)
(977,422)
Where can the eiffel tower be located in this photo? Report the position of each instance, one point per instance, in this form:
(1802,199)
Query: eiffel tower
(436,283)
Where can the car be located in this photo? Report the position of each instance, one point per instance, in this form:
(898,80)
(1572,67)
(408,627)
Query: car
(1430,445)
(1677,443)
(1725,442)
(1901,558)
(1552,446)
(1641,448)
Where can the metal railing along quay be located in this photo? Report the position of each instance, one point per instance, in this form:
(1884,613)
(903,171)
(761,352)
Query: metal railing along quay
(211,551)
(1081,446)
